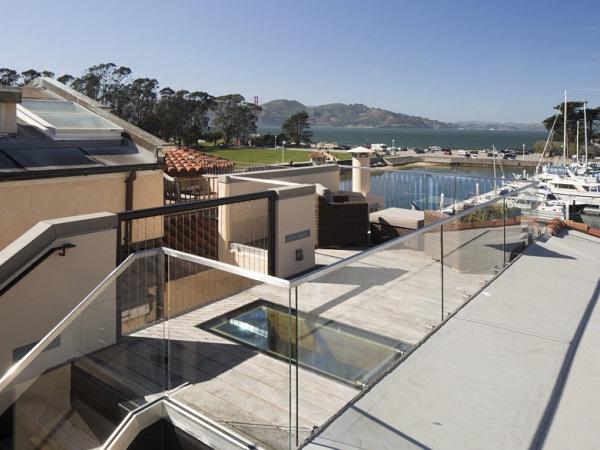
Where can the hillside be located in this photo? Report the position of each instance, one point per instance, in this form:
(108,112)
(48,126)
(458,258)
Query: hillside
(275,112)
(503,126)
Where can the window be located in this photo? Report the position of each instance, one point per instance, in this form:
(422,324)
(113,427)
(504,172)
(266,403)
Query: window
(564,186)
(63,120)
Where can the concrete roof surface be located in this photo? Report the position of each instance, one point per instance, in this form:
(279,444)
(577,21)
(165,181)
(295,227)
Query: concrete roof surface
(517,368)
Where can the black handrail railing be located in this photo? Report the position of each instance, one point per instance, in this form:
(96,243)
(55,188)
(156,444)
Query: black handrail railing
(125,218)
(62,249)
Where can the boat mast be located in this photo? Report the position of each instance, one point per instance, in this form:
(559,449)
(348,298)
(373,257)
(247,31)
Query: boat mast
(548,140)
(585,131)
(565,131)
(577,143)
(494,153)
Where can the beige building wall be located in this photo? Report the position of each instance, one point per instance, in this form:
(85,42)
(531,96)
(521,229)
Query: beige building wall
(295,218)
(31,308)
(27,202)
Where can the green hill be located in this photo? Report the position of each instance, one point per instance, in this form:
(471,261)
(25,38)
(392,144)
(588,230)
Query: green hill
(275,112)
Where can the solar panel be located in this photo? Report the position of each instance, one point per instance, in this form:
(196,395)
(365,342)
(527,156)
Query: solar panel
(128,149)
(49,157)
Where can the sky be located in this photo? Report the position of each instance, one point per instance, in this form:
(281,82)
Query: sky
(489,60)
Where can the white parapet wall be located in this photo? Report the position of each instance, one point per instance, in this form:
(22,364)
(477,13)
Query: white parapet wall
(295,224)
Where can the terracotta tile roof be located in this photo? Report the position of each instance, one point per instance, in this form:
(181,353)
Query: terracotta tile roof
(189,162)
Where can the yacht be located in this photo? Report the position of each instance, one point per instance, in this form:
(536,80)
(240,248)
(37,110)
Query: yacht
(576,186)
(540,203)
(571,188)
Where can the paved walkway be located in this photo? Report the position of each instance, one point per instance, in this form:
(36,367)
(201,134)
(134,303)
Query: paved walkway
(517,368)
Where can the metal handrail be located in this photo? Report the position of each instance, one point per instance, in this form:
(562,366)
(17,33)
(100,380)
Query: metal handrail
(424,172)
(38,260)
(17,368)
(22,364)
(191,206)
(37,349)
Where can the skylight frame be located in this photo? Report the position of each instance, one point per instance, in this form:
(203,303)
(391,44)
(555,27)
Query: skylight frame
(41,121)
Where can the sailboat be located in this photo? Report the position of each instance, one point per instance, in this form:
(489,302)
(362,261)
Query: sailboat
(572,184)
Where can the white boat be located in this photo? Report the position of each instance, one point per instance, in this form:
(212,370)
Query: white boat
(571,188)
(577,185)
(540,203)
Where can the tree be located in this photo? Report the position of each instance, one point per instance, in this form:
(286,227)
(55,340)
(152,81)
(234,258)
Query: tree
(235,117)
(66,79)
(553,147)
(574,114)
(8,77)
(297,127)
(142,95)
(213,136)
(106,83)
(182,116)
(29,75)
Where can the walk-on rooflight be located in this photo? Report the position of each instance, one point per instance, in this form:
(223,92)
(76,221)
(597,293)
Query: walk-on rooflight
(62,120)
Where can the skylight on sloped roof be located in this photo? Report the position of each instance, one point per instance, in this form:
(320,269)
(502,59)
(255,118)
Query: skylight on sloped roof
(63,120)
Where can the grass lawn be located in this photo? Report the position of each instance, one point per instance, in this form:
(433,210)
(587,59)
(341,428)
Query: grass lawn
(265,155)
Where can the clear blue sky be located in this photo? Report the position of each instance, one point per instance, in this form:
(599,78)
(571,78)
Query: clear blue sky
(449,60)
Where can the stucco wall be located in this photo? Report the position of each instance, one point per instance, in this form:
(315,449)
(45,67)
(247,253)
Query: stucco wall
(31,308)
(295,215)
(25,203)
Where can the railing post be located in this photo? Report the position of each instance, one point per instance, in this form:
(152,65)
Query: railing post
(426,191)
(119,243)
(119,283)
(272,233)
(442,269)
(504,231)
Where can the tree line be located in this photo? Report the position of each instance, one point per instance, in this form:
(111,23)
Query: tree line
(575,115)
(177,116)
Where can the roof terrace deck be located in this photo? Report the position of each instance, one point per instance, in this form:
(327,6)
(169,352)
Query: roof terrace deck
(518,367)
(393,294)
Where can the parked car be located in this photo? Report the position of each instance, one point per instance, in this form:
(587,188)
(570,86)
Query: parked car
(509,156)
(462,153)
(447,151)
(419,150)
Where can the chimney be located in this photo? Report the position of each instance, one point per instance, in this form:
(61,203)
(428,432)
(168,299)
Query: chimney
(9,97)
(361,172)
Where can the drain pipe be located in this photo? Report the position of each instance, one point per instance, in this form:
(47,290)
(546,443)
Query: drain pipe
(129,205)
(129,190)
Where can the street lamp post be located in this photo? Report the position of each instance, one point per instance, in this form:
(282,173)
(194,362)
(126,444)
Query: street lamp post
(283,152)
(523,152)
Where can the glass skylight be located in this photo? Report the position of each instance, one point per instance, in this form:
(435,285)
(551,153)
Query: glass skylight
(62,120)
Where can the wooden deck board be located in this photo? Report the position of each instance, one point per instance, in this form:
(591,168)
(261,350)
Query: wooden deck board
(395,294)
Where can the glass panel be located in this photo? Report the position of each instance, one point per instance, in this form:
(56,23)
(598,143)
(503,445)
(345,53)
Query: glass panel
(46,106)
(422,189)
(358,321)
(66,115)
(70,121)
(86,379)
(475,251)
(232,353)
